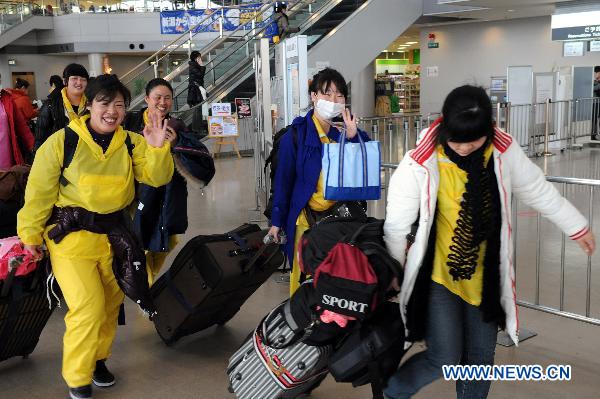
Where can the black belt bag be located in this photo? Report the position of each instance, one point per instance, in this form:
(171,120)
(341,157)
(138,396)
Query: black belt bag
(343,209)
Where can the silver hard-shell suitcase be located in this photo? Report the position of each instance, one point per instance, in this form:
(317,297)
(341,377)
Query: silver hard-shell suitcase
(274,363)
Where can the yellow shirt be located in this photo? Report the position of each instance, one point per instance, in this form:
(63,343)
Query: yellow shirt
(317,201)
(81,110)
(450,193)
(101,182)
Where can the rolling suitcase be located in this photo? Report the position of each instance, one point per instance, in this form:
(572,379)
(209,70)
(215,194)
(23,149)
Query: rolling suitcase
(210,280)
(275,361)
(24,312)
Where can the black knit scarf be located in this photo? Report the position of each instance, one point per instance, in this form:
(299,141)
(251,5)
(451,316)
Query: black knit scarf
(478,213)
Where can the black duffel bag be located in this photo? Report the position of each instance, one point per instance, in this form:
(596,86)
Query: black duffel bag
(372,352)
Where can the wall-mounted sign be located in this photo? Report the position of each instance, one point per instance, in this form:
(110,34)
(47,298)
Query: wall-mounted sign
(242,107)
(12,62)
(595,45)
(431,43)
(221,109)
(209,20)
(573,49)
(576,26)
(432,72)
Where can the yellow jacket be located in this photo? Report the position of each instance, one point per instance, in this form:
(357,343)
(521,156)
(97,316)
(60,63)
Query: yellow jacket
(99,182)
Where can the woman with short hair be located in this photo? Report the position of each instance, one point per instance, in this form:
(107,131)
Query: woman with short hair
(459,283)
(298,195)
(76,212)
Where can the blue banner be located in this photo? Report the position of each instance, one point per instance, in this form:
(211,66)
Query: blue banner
(177,22)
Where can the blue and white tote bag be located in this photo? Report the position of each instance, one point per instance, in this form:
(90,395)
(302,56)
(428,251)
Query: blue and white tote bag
(352,170)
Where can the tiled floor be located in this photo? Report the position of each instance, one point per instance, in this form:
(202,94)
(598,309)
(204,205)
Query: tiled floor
(195,366)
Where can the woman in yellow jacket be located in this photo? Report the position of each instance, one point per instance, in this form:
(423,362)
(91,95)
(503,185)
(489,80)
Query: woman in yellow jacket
(100,180)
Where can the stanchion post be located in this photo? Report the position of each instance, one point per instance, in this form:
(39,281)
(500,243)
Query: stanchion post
(547,152)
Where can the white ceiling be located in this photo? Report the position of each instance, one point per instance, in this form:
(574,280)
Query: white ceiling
(485,10)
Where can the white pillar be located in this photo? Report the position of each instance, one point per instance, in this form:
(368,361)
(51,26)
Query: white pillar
(363,92)
(95,64)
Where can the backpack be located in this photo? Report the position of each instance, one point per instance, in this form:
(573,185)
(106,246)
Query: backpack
(346,282)
(273,160)
(318,241)
(70,145)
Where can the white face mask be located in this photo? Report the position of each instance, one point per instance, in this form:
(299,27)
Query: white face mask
(329,110)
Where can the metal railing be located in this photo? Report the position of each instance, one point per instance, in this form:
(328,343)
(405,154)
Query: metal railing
(539,127)
(570,263)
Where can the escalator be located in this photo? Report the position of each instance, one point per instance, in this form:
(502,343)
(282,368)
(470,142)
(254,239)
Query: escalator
(229,58)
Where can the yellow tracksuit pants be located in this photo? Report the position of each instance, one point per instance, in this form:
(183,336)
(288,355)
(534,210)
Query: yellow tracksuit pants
(156,260)
(93,297)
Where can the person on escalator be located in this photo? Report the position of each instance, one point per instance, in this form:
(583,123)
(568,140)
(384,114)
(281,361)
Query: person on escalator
(283,21)
(197,69)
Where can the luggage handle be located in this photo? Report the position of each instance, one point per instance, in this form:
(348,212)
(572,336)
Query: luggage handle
(239,240)
(254,260)
(13,265)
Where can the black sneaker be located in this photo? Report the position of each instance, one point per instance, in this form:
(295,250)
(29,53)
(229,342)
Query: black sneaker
(102,377)
(84,392)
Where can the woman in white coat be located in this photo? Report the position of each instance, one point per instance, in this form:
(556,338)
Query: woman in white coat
(459,285)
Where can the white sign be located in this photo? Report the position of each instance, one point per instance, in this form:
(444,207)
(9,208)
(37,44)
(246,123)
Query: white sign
(221,109)
(291,47)
(595,45)
(544,85)
(573,49)
(432,72)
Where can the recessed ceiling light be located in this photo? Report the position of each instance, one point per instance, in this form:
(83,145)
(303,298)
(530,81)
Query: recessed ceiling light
(412,42)
(510,10)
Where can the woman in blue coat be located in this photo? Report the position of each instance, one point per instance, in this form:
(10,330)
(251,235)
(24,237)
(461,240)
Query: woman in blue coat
(298,178)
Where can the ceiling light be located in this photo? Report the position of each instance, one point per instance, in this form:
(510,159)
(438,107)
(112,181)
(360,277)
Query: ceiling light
(510,10)
(412,42)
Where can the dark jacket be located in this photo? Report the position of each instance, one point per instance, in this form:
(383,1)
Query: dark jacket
(297,174)
(51,118)
(196,80)
(129,262)
(21,139)
(164,209)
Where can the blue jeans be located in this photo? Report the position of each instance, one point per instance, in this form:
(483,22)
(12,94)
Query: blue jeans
(455,334)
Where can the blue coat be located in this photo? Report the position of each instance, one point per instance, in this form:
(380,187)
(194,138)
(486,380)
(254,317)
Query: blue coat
(297,174)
